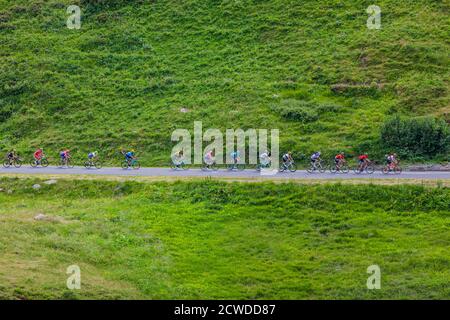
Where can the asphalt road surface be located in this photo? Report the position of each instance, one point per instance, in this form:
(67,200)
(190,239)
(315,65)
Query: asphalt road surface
(221,173)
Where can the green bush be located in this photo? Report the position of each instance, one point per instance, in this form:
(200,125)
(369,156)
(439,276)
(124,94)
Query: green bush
(355,90)
(296,110)
(304,111)
(412,137)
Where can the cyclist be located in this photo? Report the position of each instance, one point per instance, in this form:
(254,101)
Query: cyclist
(178,158)
(92,155)
(287,158)
(209,157)
(11,155)
(264,158)
(315,158)
(363,160)
(339,160)
(38,154)
(130,155)
(65,155)
(235,156)
(389,158)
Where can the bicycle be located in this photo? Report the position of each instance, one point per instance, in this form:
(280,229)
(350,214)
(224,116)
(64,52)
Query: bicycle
(16,162)
(364,167)
(236,165)
(339,167)
(261,166)
(211,166)
(42,162)
(289,165)
(317,166)
(66,162)
(131,163)
(181,165)
(392,167)
(93,163)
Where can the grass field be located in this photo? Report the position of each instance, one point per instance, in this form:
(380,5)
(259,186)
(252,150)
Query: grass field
(209,239)
(309,68)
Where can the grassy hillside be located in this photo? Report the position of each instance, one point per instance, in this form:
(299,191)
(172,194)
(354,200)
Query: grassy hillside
(122,79)
(202,240)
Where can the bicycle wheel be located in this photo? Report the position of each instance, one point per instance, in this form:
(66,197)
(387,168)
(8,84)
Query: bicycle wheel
(321,168)
(241,166)
(6,164)
(33,163)
(282,168)
(98,164)
(18,163)
(230,167)
(333,168)
(125,165)
(135,165)
(385,170)
(292,167)
(87,164)
(344,169)
(184,166)
(357,170)
(69,164)
(370,169)
(397,170)
(44,163)
(62,163)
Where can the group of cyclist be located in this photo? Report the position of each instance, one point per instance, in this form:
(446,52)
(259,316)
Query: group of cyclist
(39,158)
(209,159)
(363,161)
(340,161)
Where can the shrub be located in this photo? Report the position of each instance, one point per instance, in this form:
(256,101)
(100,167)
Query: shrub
(296,110)
(424,136)
(304,111)
(355,90)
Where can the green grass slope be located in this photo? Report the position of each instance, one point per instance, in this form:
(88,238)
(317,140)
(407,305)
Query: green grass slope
(207,240)
(122,79)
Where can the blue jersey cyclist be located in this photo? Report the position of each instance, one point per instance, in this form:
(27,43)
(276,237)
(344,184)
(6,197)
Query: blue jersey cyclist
(92,155)
(235,156)
(129,155)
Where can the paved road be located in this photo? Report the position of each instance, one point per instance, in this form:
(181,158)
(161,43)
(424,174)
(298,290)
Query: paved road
(248,173)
